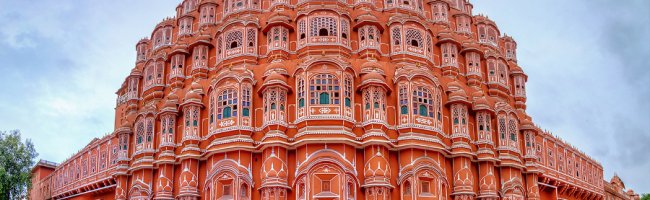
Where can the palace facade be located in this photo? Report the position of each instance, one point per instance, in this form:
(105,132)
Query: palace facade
(324,100)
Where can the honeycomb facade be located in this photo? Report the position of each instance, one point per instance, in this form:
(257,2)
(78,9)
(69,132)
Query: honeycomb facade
(323,100)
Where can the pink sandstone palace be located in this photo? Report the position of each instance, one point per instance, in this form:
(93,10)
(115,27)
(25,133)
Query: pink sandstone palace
(325,100)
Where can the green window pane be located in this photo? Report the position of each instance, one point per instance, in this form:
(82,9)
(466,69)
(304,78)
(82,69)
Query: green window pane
(423,110)
(324,98)
(227,112)
(245,112)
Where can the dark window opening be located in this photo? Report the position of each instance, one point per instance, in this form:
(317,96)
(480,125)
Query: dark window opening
(415,43)
(234,45)
(323,32)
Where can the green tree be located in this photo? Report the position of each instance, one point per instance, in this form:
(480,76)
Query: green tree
(645,196)
(16,160)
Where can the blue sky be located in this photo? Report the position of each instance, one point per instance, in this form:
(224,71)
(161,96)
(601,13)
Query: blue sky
(588,62)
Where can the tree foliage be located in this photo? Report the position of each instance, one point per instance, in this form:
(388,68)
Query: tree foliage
(645,196)
(16,160)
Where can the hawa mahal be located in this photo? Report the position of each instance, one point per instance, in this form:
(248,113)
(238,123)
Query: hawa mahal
(325,100)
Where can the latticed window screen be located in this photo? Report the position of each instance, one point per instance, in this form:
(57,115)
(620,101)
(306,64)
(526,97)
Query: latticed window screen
(502,128)
(378,99)
(302,28)
(140,132)
(195,117)
(234,39)
(324,89)
(246,101)
(149,129)
(227,104)
(251,37)
(512,129)
(397,36)
(323,26)
(414,37)
(348,91)
(422,102)
(344,28)
(403,99)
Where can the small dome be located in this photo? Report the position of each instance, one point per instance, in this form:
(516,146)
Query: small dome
(279,17)
(136,72)
(458,96)
(126,124)
(366,17)
(373,76)
(370,65)
(460,93)
(208,1)
(275,77)
(196,87)
(191,95)
(453,86)
(274,66)
(170,104)
(172,96)
(481,102)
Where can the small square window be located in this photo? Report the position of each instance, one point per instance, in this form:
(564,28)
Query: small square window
(425,187)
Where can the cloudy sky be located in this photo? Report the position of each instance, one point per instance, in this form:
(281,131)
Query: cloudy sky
(588,62)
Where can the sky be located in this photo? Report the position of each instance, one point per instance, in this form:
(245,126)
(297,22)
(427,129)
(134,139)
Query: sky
(588,63)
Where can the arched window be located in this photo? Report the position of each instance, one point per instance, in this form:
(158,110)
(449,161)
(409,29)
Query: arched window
(484,123)
(243,191)
(177,65)
(449,51)
(492,76)
(149,131)
(502,129)
(246,101)
(211,111)
(422,102)
(324,89)
(403,100)
(344,28)
(251,37)
(200,54)
(473,63)
(234,39)
(414,37)
(302,28)
(139,133)
(440,12)
(195,117)
(513,131)
(323,32)
(227,104)
(348,91)
(503,73)
(397,36)
(277,38)
(301,93)
(323,26)
(407,188)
